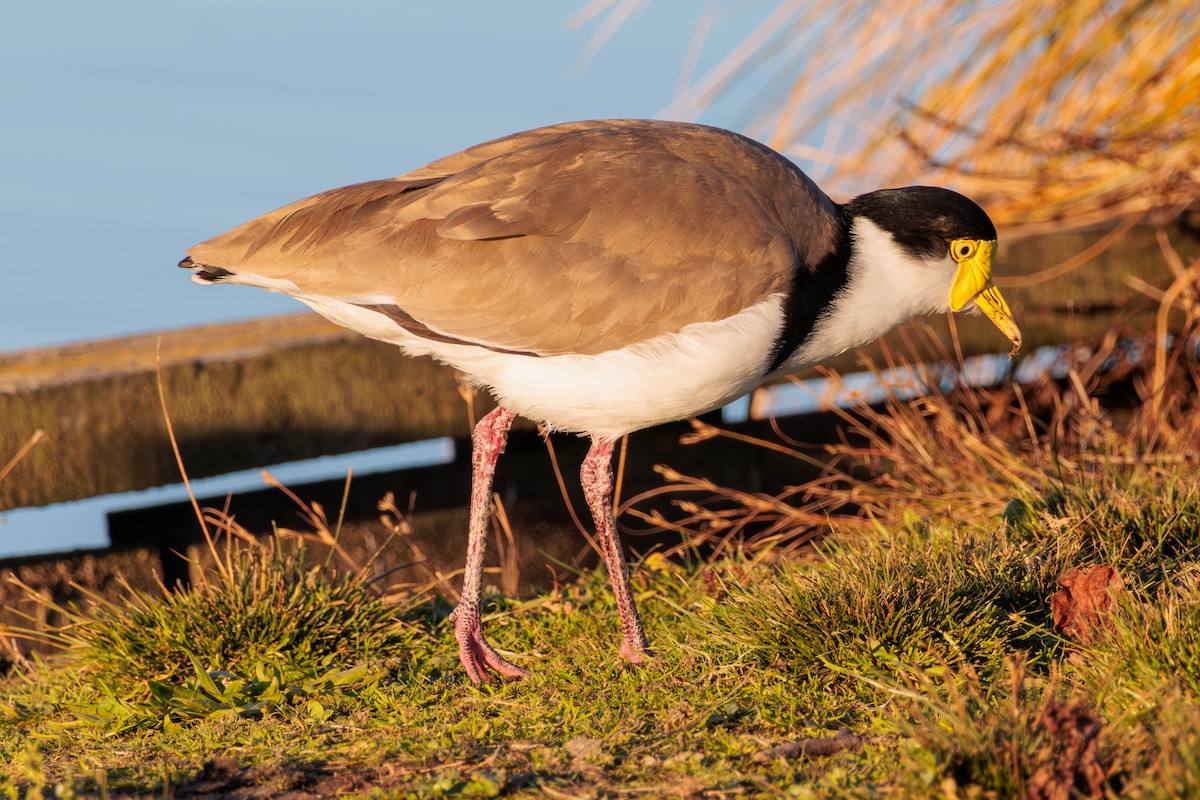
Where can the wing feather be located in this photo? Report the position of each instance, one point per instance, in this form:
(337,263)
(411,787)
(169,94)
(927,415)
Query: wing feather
(582,237)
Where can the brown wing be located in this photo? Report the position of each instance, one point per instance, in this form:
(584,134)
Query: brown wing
(581,237)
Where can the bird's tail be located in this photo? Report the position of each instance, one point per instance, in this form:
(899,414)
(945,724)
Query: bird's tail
(203,273)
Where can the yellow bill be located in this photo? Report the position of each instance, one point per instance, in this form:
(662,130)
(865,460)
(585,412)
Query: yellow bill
(973,281)
(991,302)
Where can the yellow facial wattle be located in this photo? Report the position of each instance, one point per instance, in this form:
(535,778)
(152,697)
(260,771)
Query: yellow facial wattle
(973,281)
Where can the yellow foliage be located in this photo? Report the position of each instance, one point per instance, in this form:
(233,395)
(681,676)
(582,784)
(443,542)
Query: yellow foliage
(1051,114)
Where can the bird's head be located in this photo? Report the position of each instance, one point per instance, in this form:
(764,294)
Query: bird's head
(951,236)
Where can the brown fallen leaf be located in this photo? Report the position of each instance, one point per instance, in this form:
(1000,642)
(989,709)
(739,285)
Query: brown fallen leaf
(1081,606)
(1071,763)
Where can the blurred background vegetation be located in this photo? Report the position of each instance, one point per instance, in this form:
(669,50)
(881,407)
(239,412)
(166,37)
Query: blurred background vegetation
(1050,114)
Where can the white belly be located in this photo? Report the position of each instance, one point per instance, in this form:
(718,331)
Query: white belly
(670,377)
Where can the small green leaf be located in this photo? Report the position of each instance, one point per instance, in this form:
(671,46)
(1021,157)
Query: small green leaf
(203,679)
(316,711)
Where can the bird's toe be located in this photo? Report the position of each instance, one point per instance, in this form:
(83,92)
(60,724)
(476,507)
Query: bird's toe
(637,655)
(478,657)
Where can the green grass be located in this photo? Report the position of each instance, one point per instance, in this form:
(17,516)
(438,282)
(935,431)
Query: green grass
(924,596)
(930,640)
(268,609)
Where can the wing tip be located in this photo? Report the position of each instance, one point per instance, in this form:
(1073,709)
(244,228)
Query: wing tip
(203,273)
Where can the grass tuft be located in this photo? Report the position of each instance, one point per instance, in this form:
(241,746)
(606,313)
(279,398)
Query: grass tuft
(912,600)
(1145,522)
(271,610)
(1153,647)
(1005,735)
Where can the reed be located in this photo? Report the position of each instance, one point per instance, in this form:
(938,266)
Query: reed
(1050,114)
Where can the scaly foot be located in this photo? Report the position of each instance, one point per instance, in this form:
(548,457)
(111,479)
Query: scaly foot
(634,654)
(477,656)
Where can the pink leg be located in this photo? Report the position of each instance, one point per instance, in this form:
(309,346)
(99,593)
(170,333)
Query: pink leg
(597,480)
(487,443)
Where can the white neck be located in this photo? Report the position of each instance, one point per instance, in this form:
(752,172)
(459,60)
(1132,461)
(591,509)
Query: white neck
(884,287)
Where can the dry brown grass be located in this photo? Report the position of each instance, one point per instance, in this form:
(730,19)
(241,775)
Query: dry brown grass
(1050,114)
(37,436)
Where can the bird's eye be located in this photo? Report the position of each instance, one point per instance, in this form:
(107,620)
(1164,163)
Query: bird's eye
(962,249)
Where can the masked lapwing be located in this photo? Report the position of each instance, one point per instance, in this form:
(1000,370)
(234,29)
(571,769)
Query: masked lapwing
(602,277)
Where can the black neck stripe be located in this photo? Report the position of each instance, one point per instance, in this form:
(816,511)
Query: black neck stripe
(814,288)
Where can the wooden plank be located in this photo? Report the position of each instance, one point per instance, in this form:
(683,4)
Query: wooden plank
(38,368)
(285,398)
